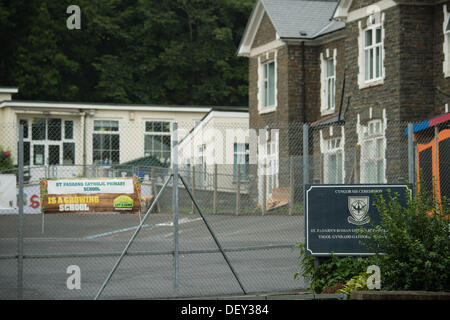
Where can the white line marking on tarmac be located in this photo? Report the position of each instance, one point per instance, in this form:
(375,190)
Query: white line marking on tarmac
(163,224)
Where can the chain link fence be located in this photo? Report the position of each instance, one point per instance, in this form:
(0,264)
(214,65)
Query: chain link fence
(247,182)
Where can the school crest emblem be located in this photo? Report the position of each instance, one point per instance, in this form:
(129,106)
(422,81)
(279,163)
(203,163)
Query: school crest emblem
(358,207)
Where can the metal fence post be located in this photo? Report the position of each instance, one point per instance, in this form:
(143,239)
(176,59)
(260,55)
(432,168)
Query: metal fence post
(175,204)
(291,185)
(410,154)
(238,189)
(215,189)
(20,227)
(193,186)
(305,153)
(264,197)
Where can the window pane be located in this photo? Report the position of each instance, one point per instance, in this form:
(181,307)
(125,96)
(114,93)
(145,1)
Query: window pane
(330,67)
(378,35)
(105,142)
(166,142)
(148,145)
(53,154)
(68,153)
(106,157)
(106,125)
(368,37)
(26,153)
(380,152)
(54,129)
(115,142)
(25,128)
(331,93)
(38,155)
(114,125)
(157,126)
(271,84)
(68,129)
(166,127)
(38,129)
(377,62)
(371,64)
(148,126)
(115,157)
(332,166)
(97,125)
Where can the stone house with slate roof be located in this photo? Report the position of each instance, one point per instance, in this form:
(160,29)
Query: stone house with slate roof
(357,71)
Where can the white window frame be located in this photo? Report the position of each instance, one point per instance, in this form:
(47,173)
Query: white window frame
(374,81)
(326,108)
(262,108)
(106,132)
(240,156)
(46,142)
(333,147)
(446,44)
(367,156)
(272,165)
(377,60)
(170,122)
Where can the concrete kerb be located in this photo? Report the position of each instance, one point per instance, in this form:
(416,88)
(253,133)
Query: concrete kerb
(294,295)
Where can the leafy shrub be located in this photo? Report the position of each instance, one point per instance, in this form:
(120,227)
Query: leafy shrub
(412,246)
(332,270)
(356,283)
(415,242)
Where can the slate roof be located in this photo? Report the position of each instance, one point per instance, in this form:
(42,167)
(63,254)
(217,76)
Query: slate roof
(306,19)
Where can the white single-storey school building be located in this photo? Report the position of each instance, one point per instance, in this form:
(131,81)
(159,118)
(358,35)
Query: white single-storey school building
(64,137)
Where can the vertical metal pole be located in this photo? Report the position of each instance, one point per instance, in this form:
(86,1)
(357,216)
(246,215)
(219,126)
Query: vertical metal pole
(410,154)
(20,228)
(305,154)
(193,186)
(175,204)
(291,185)
(264,204)
(238,189)
(215,189)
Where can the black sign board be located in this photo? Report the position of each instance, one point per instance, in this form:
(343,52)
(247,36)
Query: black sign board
(335,213)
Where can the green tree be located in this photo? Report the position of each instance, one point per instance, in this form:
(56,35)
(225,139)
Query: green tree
(127,51)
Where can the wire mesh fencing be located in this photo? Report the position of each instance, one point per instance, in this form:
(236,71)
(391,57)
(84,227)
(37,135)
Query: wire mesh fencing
(247,180)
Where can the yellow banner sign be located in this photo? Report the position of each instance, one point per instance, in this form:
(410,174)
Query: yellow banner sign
(90,195)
